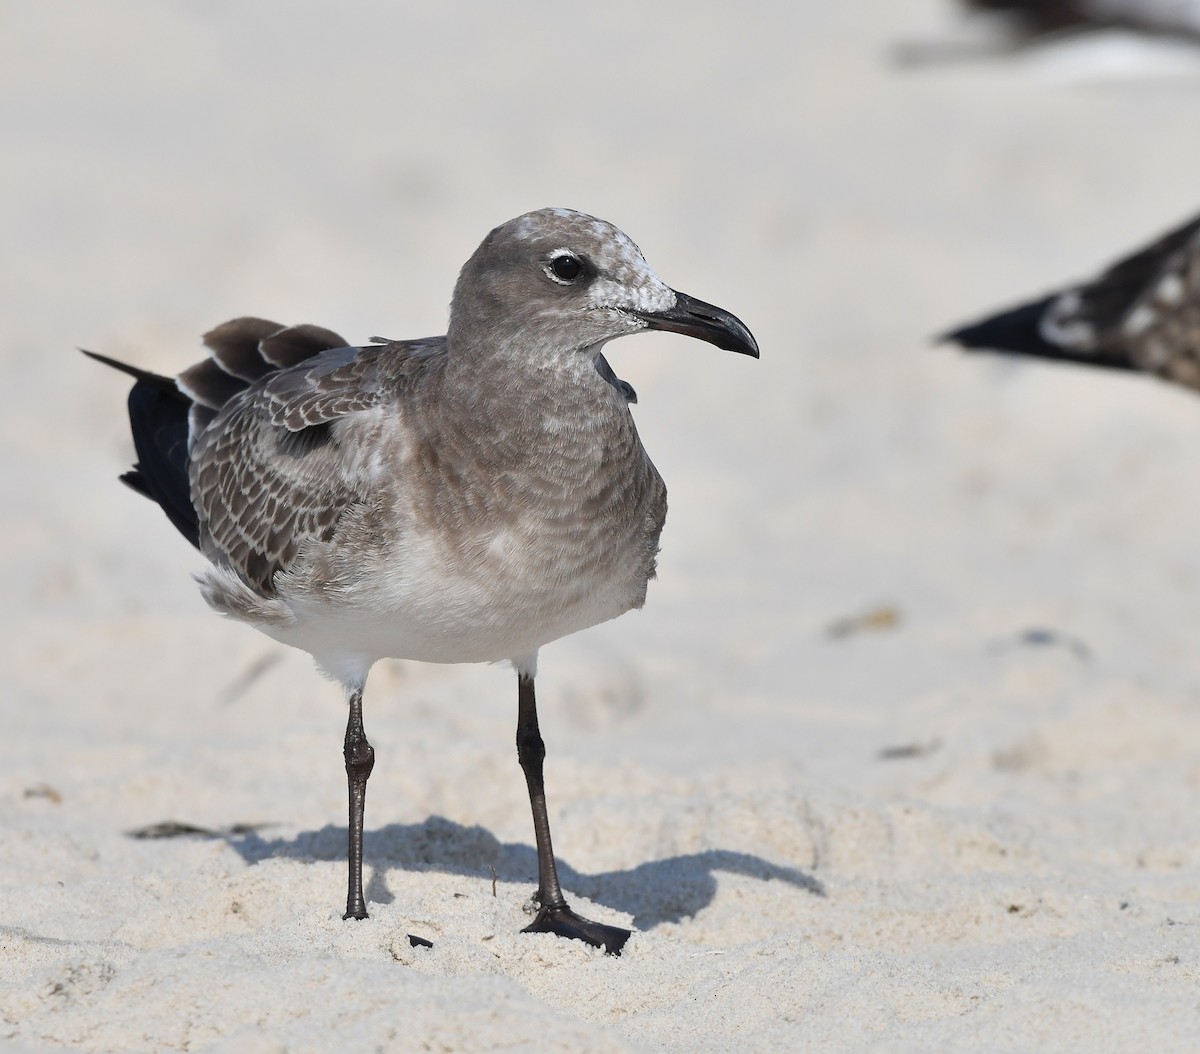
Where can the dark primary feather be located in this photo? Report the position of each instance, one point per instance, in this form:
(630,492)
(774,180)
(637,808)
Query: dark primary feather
(1037,18)
(158,419)
(159,422)
(1142,313)
(1018,332)
(165,413)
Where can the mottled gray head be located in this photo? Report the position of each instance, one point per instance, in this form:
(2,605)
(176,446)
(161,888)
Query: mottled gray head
(557,282)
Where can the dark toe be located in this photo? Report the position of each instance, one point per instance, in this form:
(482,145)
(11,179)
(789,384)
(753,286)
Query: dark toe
(563,922)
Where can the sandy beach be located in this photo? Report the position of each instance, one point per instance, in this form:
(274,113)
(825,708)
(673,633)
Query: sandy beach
(903,753)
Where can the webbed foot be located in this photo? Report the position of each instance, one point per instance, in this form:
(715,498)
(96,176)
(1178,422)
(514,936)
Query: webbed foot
(563,922)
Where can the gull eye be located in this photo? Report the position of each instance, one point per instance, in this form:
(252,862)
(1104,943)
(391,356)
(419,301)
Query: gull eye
(564,267)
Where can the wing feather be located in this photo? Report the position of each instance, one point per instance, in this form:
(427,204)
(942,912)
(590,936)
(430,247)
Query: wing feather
(1142,313)
(277,469)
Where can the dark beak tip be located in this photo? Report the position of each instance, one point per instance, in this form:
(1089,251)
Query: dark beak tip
(703,321)
(739,339)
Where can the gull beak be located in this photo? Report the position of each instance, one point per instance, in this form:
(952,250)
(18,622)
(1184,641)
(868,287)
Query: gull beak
(695,318)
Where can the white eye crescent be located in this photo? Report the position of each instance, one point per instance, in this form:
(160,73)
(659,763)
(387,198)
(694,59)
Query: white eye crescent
(564,267)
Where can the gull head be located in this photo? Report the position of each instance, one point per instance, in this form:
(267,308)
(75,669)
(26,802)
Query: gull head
(555,283)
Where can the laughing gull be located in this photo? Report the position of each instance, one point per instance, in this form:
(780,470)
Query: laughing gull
(1143,313)
(466,498)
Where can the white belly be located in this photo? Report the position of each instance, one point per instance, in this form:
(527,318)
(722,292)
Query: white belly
(429,606)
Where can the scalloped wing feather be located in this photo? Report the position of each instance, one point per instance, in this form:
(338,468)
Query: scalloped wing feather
(276,471)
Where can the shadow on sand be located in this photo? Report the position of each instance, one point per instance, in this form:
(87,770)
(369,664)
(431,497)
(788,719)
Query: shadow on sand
(661,891)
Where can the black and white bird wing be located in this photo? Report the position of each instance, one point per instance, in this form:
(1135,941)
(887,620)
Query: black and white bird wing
(281,464)
(1143,313)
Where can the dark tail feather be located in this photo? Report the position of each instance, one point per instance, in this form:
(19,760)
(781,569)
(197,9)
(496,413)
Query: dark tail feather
(158,418)
(1018,332)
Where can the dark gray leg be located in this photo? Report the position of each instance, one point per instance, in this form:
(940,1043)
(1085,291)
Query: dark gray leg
(360,760)
(553,915)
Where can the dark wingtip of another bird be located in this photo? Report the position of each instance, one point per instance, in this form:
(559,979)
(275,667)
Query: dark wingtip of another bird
(1017,330)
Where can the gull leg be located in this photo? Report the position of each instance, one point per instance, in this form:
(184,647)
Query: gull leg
(553,914)
(360,760)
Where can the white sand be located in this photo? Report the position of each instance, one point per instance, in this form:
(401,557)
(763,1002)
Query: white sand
(1025,880)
